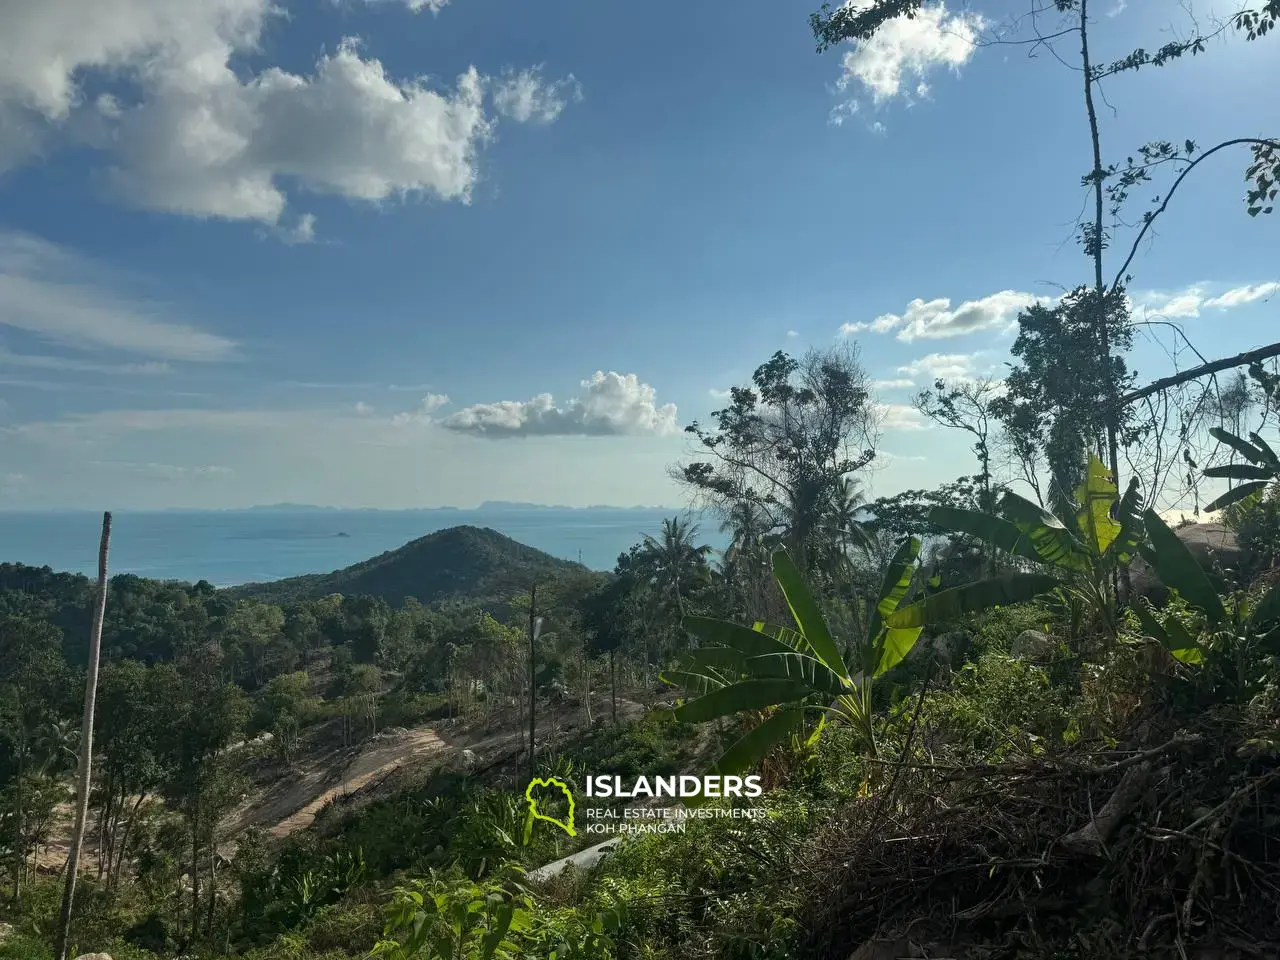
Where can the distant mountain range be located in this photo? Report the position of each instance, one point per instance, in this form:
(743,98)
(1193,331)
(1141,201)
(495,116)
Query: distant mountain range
(465,562)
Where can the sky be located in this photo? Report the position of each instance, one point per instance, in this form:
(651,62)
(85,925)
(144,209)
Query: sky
(410,253)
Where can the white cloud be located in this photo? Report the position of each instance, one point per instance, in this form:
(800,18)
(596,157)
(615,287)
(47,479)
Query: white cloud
(73,365)
(203,136)
(893,384)
(948,366)
(525,97)
(901,416)
(49,292)
(425,410)
(935,319)
(793,333)
(363,408)
(1188,303)
(904,52)
(718,394)
(611,404)
(417,6)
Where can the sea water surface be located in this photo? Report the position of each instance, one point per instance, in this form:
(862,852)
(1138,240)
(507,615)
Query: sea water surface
(228,547)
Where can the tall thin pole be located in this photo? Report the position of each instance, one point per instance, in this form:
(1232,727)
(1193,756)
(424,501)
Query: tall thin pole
(85,772)
(533,674)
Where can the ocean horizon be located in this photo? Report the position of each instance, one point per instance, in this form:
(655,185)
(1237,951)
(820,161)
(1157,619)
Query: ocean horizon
(260,544)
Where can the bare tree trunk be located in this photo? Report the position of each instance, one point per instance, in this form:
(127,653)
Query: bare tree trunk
(613,682)
(195,871)
(86,744)
(19,851)
(113,876)
(533,676)
(1097,247)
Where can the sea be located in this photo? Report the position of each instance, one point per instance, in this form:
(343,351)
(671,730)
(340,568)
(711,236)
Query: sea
(230,547)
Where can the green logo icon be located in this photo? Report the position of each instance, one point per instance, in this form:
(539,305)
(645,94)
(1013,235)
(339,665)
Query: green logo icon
(535,814)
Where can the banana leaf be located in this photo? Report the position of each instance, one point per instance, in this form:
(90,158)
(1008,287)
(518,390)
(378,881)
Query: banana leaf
(1241,471)
(986,527)
(894,644)
(1132,532)
(1097,494)
(1239,445)
(805,610)
(744,695)
(1179,570)
(1236,494)
(755,744)
(798,667)
(972,598)
(1052,541)
(725,633)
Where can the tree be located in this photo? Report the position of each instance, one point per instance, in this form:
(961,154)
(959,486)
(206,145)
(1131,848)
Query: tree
(967,405)
(35,743)
(85,773)
(1097,307)
(787,443)
(1057,399)
(674,561)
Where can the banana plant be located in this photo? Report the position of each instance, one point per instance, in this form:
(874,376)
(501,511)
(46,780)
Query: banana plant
(1262,469)
(795,673)
(1228,628)
(1088,548)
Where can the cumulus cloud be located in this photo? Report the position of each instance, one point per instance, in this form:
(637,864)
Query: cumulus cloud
(425,411)
(901,416)
(935,319)
(611,404)
(525,97)
(56,295)
(892,384)
(948,366)
(903,53)
(202,136)
(1188,303)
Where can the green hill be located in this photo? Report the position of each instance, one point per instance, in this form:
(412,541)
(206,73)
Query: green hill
(472,563)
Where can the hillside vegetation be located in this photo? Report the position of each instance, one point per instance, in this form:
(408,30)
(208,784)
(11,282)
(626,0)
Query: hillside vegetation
(458,563)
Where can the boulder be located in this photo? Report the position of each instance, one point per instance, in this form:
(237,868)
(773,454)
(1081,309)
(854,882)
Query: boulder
(94,956)
(6,931)
(1033,645)
(1213,544)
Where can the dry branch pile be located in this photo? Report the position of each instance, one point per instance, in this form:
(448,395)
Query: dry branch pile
(1170,848)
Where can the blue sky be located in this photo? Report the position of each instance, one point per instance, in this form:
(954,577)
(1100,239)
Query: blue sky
(248,250)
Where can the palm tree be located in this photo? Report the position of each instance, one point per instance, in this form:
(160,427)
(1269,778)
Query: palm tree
(672,560)
(843,526)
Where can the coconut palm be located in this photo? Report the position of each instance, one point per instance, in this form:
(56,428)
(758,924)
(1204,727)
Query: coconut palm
(673,561)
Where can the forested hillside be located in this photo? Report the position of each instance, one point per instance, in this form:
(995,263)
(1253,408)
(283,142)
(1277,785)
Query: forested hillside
(459,563)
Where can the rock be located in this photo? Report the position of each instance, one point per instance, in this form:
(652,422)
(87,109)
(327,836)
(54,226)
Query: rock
(1033,645)
(901,949)
(6,931)
(94,956)
(946,649)
(1213,544)
(469,759)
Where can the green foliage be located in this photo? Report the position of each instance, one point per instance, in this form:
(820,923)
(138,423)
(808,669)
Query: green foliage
(446,917)
(796,673)
(469,562)
(1262,469)
(1100,537)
